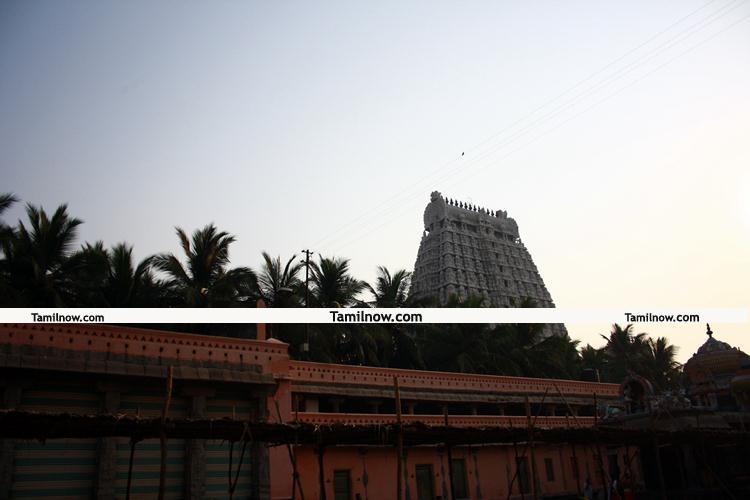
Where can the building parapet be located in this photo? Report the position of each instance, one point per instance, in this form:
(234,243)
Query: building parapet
(301,372)
(546,422)
(270,356)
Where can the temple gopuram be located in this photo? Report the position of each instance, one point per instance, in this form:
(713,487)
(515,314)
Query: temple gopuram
(471,251)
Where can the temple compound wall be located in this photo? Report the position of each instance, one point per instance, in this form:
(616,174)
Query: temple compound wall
(466,250)
(97,369)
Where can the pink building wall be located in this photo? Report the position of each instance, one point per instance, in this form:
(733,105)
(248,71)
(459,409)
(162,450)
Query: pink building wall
(492,466)
(489,466)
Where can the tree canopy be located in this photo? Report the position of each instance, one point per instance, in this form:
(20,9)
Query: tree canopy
(43,265)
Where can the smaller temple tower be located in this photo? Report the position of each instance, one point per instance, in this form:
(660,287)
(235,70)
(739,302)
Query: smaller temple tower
(468,250)
(717,375)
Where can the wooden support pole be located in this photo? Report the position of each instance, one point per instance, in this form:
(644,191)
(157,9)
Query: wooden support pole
(526,448)
(602,471)
(532,448)
(321,473)
(660,470)
(229,469)
(520,486)
(596,411)
(399,441)
(575,419)
(568,414)
(577,470)
(570,408)
(163,436)
(449,452)
(233,483)
(293,459)
(130,468)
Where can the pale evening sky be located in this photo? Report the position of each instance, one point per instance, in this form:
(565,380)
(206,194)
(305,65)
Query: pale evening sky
(615,133)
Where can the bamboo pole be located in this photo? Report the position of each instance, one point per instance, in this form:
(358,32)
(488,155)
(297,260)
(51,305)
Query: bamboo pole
(233,483)
(229,469)
(399,441)
(570,408)
(520,486)
(577,470)
(602,471)
(449,452)
(532,448)
(293,459)
(163,435)
(660,470)
(130,468)
(573,446)
(321,473)
(526,447)
(568,414)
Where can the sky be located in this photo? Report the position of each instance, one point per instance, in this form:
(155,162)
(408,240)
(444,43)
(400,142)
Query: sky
(615,133)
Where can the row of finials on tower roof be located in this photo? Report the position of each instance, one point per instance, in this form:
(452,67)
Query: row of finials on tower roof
(474,208)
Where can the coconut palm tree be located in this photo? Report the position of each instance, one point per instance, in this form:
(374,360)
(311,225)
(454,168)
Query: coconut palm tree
(555,356)
(6,236)
(6,200)
(333,285)
(593,359)
(205,280)
(663,370)
(88,276)
(624,352)
(129,284)
(457,347)
(390,345)
(37,258)
(110,278)
(277,285)
(390,290)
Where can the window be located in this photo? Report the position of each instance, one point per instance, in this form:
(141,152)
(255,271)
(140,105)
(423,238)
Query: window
(614,466)
(460,488)
(550,469)
(425,482)
(574,467)
(342,485)
(522,465)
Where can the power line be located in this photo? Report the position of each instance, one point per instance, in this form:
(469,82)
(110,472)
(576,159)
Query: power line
(547,132)
(622,89)
(386,202)
(547,117)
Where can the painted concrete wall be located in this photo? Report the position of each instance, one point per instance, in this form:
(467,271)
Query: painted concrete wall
(489,470)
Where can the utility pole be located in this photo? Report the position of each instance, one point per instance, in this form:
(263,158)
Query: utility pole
(306,345)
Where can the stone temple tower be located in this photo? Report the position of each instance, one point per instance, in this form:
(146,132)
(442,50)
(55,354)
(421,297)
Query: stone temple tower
(466,250)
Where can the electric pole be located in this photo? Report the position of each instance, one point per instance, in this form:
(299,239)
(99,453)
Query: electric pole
(306,345)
